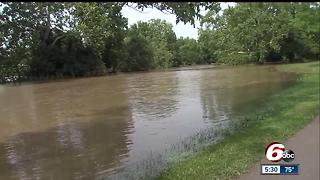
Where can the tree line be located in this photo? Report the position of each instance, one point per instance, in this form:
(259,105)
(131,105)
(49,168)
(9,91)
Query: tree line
(263,32)
(55,40)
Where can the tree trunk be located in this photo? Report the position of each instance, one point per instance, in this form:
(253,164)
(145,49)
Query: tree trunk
(48,25)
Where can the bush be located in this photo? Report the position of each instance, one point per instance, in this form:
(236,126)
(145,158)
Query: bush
(236,58)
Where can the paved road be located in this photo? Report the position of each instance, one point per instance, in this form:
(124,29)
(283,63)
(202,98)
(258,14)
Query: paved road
(305,145)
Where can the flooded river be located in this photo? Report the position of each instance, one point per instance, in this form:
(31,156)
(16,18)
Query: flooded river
(85,128)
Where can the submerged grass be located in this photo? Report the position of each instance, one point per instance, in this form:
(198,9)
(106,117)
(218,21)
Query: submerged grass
(280,118)
(154,164)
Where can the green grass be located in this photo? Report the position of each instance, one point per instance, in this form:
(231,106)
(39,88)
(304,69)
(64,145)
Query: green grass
(282,116)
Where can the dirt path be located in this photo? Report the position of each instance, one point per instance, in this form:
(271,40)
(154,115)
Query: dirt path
(305,145)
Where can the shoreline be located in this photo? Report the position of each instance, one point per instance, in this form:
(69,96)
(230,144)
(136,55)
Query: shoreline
(171,69)
(57,79)
(239,152)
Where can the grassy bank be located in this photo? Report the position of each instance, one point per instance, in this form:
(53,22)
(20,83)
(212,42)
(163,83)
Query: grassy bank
(282,116)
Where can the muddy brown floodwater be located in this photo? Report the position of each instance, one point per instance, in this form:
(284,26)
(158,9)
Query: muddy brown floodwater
(85,128)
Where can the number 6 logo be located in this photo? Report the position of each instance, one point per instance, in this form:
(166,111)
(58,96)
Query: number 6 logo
(274,151)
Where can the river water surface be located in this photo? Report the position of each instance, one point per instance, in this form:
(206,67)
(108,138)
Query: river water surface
(85,128)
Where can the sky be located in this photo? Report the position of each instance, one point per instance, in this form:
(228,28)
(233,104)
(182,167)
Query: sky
(181,29)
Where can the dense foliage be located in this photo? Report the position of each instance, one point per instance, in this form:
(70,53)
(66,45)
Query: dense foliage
(52,40)
(262,32)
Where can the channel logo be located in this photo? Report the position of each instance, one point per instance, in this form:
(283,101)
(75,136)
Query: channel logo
(276,152)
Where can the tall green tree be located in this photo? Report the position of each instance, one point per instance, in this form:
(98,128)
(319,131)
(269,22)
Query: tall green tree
(188,52)
(254,32)
(140,54)
(208,45)
(103,27)
(161,38)
(21,20)
(303,37)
